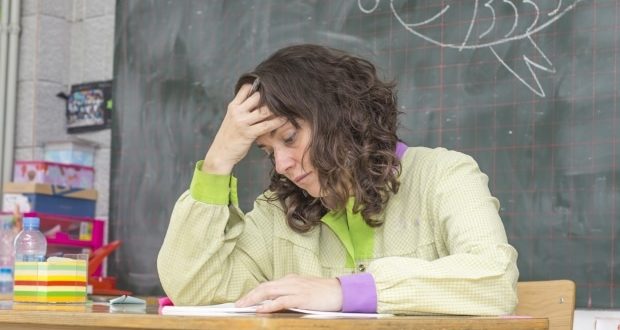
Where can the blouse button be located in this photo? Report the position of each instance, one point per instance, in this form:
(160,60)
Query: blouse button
(361,268)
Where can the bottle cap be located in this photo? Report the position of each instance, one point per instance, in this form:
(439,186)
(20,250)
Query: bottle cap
(31,222)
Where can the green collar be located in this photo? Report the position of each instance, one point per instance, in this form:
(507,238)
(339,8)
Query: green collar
(357,237)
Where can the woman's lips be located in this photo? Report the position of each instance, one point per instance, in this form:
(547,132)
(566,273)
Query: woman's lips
(301,177)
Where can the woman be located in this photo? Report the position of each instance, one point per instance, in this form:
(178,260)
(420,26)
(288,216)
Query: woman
(353,220)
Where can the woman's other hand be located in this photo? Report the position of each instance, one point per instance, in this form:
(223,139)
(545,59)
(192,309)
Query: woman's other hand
(294,291)
(243,123)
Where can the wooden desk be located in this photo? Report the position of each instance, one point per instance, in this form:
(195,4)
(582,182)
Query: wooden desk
(100,317)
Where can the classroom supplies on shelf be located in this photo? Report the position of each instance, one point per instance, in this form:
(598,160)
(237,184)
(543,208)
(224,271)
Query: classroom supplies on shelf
(69,175)
(46,198)
(71,235)
(75,151)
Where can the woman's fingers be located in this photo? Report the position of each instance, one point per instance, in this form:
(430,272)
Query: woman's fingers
(252,120)
(253,124)
(248,105)
(278,304)
(266,126)
(257,115)
(265,291)
(295,292)
(242,94)
(243,123)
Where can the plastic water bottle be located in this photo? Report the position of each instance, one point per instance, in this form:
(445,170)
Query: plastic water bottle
(6,255)
(30,244)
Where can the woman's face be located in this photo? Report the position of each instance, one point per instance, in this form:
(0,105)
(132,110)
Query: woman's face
(288,146)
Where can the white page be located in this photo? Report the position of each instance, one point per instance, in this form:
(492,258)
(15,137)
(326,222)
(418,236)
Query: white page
(229,309)
(606,324)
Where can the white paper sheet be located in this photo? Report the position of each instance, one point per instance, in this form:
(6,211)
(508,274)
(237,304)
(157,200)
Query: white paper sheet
(229,309)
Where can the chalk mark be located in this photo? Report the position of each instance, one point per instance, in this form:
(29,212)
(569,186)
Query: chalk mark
(470,44)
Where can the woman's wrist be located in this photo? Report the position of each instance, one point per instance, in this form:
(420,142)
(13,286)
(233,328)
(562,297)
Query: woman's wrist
(215,165)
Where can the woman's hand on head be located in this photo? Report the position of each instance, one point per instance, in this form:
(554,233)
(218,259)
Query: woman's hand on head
(243,123)
(294,291)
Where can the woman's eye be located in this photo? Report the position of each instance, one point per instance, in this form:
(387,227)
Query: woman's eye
(291,138)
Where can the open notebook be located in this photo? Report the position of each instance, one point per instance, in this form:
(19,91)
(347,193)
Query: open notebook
(229,309)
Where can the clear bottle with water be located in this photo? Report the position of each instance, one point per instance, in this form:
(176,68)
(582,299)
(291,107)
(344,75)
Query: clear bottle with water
(30,244)
(6,254)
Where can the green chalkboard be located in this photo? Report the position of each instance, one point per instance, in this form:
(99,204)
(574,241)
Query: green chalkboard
(528,88)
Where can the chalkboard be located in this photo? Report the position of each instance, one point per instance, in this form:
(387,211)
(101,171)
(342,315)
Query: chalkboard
(528,88)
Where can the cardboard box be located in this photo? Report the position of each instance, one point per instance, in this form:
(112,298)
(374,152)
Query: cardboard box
(69,175)
(48,198)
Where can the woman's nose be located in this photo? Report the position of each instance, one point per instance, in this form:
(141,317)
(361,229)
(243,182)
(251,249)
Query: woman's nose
(283,161)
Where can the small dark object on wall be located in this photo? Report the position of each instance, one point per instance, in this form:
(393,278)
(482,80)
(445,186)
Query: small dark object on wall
(89,106)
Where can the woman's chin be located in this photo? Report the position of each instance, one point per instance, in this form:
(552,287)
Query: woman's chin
(316,193)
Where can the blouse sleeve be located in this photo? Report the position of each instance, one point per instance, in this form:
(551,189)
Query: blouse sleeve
(213,253)
(479,274)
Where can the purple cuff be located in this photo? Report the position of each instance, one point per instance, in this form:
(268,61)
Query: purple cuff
(359,293)
(400,149)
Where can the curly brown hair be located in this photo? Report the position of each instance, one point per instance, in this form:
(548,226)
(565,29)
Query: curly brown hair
(353,117)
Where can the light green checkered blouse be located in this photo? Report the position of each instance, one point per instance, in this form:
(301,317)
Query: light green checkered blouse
(442,247)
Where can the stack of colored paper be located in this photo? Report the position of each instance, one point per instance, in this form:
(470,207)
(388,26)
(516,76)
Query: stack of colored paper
(60,280)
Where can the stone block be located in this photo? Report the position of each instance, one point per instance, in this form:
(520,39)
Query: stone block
(27,48)
(50,119)
(98,48)
(76,53)
(53,51)
(28,153)
(56,8)
(24,116)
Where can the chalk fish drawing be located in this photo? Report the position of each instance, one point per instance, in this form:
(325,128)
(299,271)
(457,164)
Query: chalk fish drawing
(485,18)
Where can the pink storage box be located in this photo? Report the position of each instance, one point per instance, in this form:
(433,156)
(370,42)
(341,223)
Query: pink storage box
(68,234)
(67,175)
